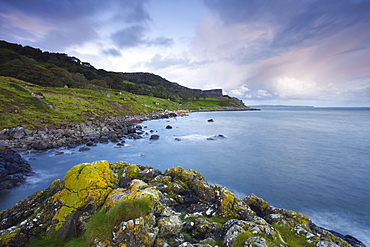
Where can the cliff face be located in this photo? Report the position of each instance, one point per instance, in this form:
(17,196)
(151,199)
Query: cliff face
(211,93)
(120,204)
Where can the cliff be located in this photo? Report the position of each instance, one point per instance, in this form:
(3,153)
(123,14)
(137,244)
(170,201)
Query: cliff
(119,204)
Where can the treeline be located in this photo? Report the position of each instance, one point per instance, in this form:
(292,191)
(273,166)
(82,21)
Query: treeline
(58,69)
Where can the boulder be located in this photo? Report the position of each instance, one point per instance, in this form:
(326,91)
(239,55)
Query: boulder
(41,145)
(13,168)
(154,137)
(82,149)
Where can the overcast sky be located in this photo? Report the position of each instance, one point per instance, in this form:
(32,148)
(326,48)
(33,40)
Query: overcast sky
(295,52)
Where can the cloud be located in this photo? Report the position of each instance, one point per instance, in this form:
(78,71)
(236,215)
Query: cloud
(241,91)
(161,41)
(113,52)
(57,25)
(290,50)
(129,37)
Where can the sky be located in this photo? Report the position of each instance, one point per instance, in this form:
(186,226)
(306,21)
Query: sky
(291,52)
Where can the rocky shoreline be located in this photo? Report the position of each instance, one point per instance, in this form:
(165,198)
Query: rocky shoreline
(89,132)
(119,204)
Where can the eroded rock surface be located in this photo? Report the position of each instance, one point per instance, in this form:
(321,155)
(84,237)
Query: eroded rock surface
(141,206)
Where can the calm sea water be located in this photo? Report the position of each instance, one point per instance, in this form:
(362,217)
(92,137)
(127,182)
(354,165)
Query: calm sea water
(312,160)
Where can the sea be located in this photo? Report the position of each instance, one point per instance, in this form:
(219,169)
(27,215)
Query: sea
(312,160)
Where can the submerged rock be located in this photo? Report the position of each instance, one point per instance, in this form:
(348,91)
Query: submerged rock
(119,204)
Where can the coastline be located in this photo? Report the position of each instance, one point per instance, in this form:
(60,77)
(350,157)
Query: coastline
(90,132)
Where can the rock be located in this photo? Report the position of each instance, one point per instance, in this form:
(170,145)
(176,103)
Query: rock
(120,204)
(154,137)
(82,149)
(216,137)
(41,145)
(90,144)
(168,127)
(210,120)
(13,168)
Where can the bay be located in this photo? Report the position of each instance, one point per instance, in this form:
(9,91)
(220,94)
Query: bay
(311,160)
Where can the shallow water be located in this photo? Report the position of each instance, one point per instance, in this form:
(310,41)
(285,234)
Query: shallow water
(311,160)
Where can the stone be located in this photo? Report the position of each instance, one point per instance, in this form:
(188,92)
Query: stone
(41,145)
(13,168)
(154,137)
(82,149)
(168,127)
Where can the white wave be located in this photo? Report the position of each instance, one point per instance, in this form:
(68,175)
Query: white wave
(40,176)
(193,137)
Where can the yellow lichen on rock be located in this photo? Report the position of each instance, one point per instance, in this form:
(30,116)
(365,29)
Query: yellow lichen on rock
(84,184)
(96,175)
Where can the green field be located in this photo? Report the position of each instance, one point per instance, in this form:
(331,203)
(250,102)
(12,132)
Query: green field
(31,106)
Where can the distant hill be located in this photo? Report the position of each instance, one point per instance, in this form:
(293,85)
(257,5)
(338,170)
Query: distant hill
(41,89)
(59,70)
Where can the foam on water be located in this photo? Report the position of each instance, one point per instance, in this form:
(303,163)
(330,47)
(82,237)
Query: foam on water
(193,137)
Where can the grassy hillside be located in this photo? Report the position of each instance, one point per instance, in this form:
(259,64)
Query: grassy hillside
(58,69)
(29,105)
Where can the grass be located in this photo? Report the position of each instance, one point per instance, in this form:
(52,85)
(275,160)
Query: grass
(100,224)
(289,237)
(60,106)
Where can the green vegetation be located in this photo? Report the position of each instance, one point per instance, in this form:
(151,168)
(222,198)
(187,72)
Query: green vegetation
(28,105)
(100,224)
(290,237)
(58,69)
(285,236)
(40,89)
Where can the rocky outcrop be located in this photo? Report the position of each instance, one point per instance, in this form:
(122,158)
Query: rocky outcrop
(13,168)
(119,204)
(71,135)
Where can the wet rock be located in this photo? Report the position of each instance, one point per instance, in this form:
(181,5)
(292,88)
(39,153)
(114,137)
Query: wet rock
(154,137)
(210,120)
(168,127)
(13,168)
(83,149)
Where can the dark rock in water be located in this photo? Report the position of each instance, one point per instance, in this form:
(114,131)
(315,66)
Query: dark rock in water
(210,120)
(168,127)
(13,168)
(104,140)
(350,239)
(90,144)
(154,137)
(59,153)
(84,149)
(216,137)
(177,139)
